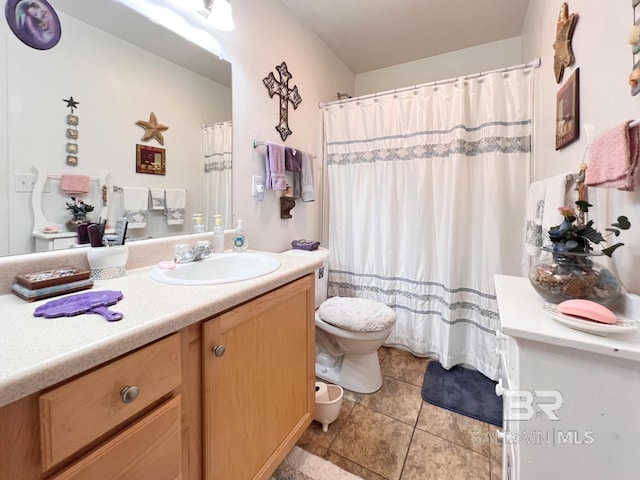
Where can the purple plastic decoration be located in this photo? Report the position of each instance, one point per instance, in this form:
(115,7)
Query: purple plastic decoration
(88,302)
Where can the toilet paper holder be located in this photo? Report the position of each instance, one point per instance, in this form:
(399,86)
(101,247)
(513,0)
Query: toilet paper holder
(328,403)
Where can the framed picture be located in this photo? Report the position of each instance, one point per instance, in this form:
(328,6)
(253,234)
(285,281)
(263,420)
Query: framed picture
(568,111)
(34,22)
(150,160)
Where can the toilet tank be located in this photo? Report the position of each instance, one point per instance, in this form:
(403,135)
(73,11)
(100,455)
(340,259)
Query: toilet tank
(322,274)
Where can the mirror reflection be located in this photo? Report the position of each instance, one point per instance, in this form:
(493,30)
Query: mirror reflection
(121,70)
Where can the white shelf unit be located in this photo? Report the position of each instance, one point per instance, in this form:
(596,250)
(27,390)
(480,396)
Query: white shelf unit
(597,431)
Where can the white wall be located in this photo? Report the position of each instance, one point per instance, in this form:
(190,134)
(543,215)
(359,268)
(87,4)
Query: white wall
(267,34)
(602,52)
(461,62)
(116,85)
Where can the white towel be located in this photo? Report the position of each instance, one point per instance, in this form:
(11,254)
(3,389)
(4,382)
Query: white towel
(156,198)
(544,197)
(306,177)
(135,206)
(175,203)
(535,209)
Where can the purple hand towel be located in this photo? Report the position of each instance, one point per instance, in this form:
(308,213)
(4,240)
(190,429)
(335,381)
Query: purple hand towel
(305,244)
(275,167)
(293,163)
(292,160)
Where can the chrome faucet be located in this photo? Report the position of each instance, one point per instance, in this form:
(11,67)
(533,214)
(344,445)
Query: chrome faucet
(185,253)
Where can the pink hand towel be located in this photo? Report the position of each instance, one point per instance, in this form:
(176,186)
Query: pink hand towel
(275,156)
(614,159)
(75,183)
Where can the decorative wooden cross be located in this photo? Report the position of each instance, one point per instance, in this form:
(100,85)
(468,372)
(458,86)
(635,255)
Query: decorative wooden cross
(286,94)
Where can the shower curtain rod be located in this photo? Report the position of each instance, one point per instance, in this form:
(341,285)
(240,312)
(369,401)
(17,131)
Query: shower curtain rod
(533,64)
(206,125)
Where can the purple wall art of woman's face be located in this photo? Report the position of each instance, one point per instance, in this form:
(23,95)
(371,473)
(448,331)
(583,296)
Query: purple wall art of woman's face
(34,22)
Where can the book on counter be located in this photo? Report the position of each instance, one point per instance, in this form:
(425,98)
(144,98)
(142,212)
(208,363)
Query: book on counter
(31,295)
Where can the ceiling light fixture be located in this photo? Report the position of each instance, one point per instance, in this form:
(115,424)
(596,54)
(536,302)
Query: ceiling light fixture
(219,14)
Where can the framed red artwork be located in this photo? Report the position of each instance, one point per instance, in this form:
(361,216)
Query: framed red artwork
(150,160)
(568,111)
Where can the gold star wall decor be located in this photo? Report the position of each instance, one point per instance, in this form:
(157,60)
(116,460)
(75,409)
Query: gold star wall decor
(563,56)
(152,129)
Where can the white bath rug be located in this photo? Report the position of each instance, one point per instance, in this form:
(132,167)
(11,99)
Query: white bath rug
(302,465)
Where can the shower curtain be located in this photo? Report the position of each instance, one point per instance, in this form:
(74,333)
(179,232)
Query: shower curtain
(217,150)
(426,193)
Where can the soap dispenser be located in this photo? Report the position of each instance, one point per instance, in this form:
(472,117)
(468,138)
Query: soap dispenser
(218,235)
(198,223)
(240,243)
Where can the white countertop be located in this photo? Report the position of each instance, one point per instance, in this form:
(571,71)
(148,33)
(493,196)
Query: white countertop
(37,352)
(521,316)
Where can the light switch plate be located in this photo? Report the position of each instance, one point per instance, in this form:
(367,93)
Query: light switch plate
(256,180)
(24,182)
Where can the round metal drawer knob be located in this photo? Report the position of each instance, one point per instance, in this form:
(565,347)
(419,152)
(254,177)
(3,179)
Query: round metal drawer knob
(218,350)
(130,393)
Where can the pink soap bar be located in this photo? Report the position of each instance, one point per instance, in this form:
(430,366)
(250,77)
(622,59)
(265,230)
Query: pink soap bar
(167,265)
(588,310)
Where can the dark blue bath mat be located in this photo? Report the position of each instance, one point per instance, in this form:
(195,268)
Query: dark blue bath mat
(463,391)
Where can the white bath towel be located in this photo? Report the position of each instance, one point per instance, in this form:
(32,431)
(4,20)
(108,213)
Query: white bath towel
(535,209)
(156,198)
(306,178)
(175,203)
(544,197)
(135,206)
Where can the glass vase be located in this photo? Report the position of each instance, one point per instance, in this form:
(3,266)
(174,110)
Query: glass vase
(78,218)
(565,276)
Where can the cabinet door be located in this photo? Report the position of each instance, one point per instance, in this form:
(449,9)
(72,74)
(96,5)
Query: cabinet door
(78,412)
(259,392)
(148,449)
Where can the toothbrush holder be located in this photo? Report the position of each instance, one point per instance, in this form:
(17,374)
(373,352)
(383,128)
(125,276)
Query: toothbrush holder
(108,262)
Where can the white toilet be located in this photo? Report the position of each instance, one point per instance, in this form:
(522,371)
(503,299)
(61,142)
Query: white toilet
(349,332)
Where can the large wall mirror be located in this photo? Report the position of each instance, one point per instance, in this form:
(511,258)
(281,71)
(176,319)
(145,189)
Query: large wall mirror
(119,67)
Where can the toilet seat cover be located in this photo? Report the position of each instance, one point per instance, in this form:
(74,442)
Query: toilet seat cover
(357,314)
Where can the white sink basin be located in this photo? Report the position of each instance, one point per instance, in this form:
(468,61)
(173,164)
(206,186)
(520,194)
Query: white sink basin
(219,268)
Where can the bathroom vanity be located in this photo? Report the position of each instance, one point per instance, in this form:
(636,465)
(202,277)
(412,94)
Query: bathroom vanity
(570,397)
(196,382)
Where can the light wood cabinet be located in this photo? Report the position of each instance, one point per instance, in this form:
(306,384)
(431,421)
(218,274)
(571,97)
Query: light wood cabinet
(258,366)
(90,428)
(196,416)
(150,448)
(79,411)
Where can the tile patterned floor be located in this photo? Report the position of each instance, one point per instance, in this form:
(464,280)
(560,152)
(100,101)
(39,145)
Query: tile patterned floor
(394,435)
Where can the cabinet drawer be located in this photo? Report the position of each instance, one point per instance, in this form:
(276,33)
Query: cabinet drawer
(148,449)
(78,412)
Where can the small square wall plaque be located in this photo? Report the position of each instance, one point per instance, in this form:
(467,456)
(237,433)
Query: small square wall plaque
(150,160)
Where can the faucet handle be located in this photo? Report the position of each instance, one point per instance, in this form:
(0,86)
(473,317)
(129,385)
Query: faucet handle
(183,253)
(203,248)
